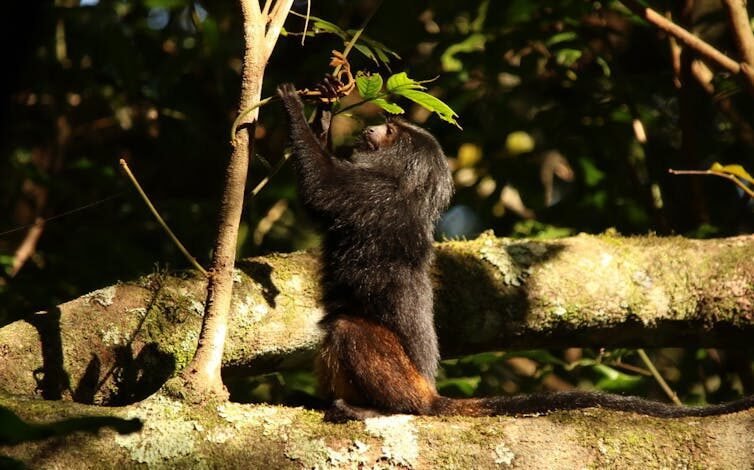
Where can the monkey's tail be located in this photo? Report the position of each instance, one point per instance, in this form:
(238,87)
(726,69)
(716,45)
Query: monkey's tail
(545,403)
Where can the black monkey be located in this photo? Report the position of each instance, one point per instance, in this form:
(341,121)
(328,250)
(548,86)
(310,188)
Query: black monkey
(377,210)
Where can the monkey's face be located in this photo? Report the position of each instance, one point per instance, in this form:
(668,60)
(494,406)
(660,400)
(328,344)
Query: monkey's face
(380,137)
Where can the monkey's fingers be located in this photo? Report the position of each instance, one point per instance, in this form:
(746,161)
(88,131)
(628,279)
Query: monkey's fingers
(290,97)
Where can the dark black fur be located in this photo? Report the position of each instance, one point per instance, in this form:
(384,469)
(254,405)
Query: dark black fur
(378,210)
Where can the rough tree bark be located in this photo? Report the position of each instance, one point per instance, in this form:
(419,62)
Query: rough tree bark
(120,343)
(117,345)
(231,435)
(201,378)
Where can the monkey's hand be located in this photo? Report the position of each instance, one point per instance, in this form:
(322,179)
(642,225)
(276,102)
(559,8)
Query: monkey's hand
(292,102)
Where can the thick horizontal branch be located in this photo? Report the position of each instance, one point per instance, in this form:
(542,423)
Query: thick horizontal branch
(120,343)
(231,435)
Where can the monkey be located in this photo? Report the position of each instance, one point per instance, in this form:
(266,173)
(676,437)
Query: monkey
(377,210)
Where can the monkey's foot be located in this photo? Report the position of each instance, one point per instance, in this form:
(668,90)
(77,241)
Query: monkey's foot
(342,412)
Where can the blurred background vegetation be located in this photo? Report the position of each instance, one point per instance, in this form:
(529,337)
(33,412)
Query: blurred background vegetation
(572,113)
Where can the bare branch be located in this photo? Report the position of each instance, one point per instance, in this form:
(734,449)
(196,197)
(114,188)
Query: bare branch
(658,377)
(277,18)
(27,247)
(688,39)
(266,8)
(704,76)
(727,176)
(741,26)
(160,220)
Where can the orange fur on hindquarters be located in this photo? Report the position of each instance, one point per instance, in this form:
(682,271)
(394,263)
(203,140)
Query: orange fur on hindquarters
(363,363)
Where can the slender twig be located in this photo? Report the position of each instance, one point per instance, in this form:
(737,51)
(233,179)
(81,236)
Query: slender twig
(682,35)
(242,116)
(727,176)
(741,26)
(272,173)
(630,368)
(27,248)
(306,20)
(63,214)
(275,24)
(668,391)
(675,55)
(145,198)
(704,76)
(266,8)
(356,36)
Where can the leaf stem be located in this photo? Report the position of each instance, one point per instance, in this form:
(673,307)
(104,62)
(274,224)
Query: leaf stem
(359,103)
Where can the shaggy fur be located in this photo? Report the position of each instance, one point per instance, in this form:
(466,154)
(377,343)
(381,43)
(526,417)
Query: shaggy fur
(377,210)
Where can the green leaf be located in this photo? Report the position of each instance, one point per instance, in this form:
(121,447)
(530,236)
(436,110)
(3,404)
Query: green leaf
(399,82)
(459,386)
(391,108)
(567,57)
(521,11)
(369,85)
(367,52)
(373,50)
(450,63)
(565,36)
(540,355)
(482,360)
(592,174)
(613,380)
(379,48)
(735,170)
(431,103)
(323,26)
(167,4)
(604,66)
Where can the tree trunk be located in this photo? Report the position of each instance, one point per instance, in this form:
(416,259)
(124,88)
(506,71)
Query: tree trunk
(201,378)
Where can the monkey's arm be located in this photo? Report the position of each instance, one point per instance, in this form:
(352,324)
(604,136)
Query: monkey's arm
(306,145)
(327,185)
(317,169)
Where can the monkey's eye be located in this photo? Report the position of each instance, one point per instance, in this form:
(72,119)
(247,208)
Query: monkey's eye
(390,129)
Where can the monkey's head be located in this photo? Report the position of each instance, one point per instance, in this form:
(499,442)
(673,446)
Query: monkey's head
(410,154)
(377,137)
(397,138)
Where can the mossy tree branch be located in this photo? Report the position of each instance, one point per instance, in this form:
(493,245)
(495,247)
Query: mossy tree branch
(120,343)
(231,435)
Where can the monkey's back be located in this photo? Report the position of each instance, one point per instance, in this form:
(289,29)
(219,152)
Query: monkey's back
(378,268)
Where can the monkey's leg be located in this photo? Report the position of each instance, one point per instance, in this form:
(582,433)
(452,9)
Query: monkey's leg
(365,367)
